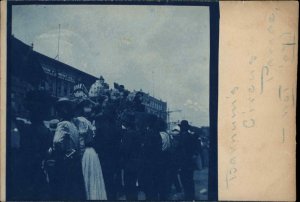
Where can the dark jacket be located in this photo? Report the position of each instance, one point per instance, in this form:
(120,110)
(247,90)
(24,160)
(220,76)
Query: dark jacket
(131,150)
(187,149)
(107,139)
(151,148)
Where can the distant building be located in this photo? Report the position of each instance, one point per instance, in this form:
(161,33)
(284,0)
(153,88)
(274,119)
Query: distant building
(155,106)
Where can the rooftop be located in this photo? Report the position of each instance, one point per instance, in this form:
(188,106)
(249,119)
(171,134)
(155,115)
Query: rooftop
(22,47)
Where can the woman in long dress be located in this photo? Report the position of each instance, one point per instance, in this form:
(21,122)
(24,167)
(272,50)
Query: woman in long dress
(91,167)
(68,179)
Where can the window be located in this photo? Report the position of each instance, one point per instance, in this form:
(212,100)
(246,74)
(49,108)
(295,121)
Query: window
(62,89)
(58,88)
(66,89)
(53,89)
(69,88)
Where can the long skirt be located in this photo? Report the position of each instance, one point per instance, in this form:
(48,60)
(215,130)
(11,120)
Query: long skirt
(68,182)
(92,174)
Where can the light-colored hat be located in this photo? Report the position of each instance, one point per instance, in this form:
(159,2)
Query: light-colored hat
(80,87)
(96,89)
(53,124)
(79,90)
(175,130)
(64,100)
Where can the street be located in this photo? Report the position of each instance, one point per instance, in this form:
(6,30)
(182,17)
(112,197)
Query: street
(201,183)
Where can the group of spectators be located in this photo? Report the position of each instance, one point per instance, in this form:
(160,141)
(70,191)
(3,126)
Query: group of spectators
(101,145)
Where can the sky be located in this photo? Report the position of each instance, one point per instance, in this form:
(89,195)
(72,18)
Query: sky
(163,50)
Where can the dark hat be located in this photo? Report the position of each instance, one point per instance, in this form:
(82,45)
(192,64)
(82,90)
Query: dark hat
(64,103)
(116,85)
(184,123)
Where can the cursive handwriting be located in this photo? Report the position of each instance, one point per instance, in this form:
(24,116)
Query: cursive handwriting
(232,169)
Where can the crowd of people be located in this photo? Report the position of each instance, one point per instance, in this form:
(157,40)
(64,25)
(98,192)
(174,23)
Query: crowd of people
(101,145)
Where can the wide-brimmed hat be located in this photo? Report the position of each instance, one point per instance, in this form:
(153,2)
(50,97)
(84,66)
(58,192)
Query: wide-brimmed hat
(64,103)
(184,123)
(176,129)
(52,124)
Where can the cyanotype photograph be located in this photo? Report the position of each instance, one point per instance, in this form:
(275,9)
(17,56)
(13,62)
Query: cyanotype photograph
(112,101)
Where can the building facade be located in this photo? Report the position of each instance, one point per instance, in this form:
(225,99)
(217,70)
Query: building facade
(32,70)
(61,78)
(155,106)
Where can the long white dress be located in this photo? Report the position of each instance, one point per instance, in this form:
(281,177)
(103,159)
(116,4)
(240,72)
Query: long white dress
(91,167)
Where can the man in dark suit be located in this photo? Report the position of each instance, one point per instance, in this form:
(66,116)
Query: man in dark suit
(107,145)
(187,151)
(130,156)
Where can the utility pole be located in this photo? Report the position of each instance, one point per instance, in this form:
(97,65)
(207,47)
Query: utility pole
(57,56)
(152,83)
(168,115)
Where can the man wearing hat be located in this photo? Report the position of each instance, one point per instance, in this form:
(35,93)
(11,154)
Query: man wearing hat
(107,142)
(174,160)
(187,151)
